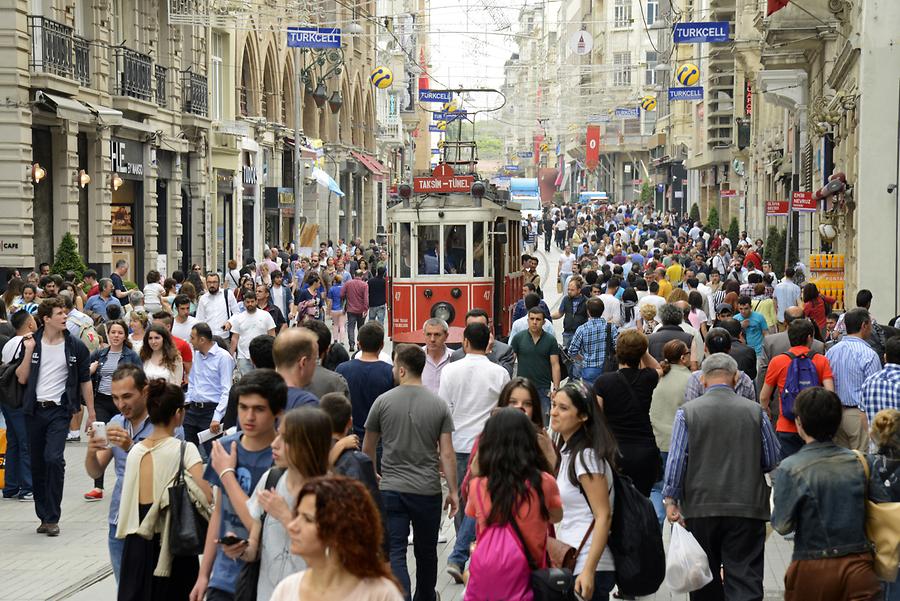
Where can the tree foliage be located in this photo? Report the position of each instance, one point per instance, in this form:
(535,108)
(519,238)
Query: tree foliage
(695,213)
(712,219)
(734,232)
(67,257)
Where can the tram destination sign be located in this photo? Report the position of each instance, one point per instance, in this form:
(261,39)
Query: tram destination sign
(311,37)
(443,181)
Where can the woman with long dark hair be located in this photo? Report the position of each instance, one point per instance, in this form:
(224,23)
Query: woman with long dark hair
(337,531)
(512,483)
(816,307)
(585,480)
(160,355)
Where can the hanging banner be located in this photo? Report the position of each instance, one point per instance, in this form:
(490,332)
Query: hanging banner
(695,93)
(699,33)
(309,37)
(538,139)
(435,95)
(592,152)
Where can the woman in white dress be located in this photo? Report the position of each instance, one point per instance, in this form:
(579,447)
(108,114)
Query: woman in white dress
(160,356)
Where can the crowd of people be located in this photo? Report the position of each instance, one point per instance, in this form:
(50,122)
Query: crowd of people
(683,364)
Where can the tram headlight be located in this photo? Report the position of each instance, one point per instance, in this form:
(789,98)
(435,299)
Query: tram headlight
(456,293)
(444,311)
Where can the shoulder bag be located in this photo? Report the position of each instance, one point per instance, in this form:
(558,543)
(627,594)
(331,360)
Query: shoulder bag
(187,528)
(882,530)
(610,362)
(10,390)
(248,579)
(550,583)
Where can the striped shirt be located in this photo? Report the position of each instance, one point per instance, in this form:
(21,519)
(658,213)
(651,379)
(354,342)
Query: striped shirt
(881,391)
(589,341)
(852,361)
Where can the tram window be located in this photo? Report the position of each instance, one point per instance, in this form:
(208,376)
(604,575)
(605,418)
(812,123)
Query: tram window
(455,249)
(481,252)
(404,254)
(429,249)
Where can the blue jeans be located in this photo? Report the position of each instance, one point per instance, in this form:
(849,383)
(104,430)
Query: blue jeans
(244,367)
(424,513)
(544,395)
(18,457)
(116,546)
(656,492)
(377,314)
(604,581)
(47,430)
(790,443)
(462,463)
(354,322)
(892,590)
(590,374)
(465,536)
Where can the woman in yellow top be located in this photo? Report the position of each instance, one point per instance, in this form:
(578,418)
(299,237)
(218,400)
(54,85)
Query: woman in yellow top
(764,305)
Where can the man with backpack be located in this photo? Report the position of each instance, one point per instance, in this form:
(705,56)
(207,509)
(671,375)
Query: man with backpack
(789,373)
(18,459)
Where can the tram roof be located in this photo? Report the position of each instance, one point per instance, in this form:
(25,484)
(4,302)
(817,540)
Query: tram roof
(452,203)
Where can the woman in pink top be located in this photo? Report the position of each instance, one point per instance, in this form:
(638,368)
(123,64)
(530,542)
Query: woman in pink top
(337,531)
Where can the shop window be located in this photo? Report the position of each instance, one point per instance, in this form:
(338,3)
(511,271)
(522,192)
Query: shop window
(429,251)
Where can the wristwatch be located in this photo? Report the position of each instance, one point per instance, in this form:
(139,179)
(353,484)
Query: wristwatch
(667,502)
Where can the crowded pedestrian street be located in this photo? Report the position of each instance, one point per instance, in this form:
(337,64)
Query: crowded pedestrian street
(422,300)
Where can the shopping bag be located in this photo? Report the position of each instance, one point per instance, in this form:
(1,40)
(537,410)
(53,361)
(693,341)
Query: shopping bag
(687,567)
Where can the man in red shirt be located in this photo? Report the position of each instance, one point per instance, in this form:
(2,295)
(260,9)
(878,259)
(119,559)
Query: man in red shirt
(356,294)
(800,335)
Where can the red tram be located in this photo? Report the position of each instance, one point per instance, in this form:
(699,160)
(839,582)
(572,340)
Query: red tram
(454,247)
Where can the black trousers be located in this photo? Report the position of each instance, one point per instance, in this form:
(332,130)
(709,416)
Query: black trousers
(196,420)
(737,545)
(47,430)
(105,410)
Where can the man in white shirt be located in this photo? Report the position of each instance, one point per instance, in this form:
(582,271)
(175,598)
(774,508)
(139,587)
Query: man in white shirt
(612,306)
(184,321)
(216,306)
(246,326)
(437,355)
(653,298)
(566,262)
(561,227)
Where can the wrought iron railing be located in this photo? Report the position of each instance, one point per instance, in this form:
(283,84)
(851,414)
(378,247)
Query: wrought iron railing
(82,60)
(195,93)
(162,74)
(134,74)
(51,46)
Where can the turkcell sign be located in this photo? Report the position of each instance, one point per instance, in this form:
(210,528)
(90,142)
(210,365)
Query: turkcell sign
(310,37)
(628,113)
(695,93)
(698,33)
(435,95)
(511,167)
(435,129)
(451,116)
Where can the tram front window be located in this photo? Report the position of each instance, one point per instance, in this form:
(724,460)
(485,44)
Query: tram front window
(455,248)
(405,253)
(429,249)
(481,252)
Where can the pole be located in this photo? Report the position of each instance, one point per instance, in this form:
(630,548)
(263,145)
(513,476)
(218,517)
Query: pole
(298,167)
(792,221)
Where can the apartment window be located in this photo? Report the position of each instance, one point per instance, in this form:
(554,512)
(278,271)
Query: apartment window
(622,13)
(652,60)
(215,76)
(652,11)
(622,73)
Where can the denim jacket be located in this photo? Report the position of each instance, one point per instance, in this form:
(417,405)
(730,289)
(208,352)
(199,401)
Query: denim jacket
(820,494)
(884,476)
(101,355)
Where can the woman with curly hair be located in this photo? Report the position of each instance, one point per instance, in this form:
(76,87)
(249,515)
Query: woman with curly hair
(160,356)
(337,531)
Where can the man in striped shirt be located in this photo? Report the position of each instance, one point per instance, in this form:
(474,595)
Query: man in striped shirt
(852,361)
(882,390)
(589,342)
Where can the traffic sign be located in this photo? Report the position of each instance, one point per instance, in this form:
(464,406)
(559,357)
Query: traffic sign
(581,42)
(776,208)
(443,181)
(435,151)
(694,93)
(698,33)
(628,113)
(435,95)
(804,202)
(311,37)
(511,167)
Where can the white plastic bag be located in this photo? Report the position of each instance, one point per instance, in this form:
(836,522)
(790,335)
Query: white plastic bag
(687,567)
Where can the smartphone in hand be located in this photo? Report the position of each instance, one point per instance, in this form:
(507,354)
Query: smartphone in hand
(230,539)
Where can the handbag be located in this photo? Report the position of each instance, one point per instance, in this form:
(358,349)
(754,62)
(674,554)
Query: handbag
(248,579)
(550,583)
(610,362)
(187,528)
(563,555)
(883,531)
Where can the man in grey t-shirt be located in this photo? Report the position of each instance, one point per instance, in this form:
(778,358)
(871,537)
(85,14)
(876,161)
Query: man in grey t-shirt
(411,423)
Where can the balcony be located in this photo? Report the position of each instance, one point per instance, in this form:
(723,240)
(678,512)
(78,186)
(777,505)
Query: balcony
(162,74)
(195,92)
(133,89)
(82,61)
(54,56)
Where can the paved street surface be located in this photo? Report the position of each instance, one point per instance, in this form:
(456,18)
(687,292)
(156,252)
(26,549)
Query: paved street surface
(75,566)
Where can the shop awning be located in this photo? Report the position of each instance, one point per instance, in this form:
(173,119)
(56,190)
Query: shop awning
(65,108)
(104,114)
(371,163)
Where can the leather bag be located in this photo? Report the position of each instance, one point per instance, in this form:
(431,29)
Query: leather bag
(187,528)
(883,531)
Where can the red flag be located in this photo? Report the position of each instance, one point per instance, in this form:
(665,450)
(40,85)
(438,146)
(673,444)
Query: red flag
(592,153)
(538,138)
(775,5)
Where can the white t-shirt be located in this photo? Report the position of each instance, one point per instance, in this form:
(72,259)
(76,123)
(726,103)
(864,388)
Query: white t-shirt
(577,515)
(248,326)
(51,383)
(368,589)
(183,330)
(277,297)
(277,561)
(470,388)
(10,348)
(651,299)
(562,225)
(566,262)
(152,295)
(612,309)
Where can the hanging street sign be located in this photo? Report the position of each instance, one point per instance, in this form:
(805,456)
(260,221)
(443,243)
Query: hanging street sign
(435,129)
(448,115)
(443,181)
(311,37)
(728,193)
(435,95)
(628,113)
(597,118)
(581,42)
(695,93)
(804,202)
(776,208)
(511,168)
(699,33)
(525,154)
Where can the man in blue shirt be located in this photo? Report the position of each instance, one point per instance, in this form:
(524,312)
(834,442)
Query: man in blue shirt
(237,463)
(132,425)
(754,324)
(100,302)
(208,384)
(367,376)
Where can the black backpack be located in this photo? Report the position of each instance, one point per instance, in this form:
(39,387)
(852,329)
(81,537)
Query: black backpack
(11,391)
(636,541)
